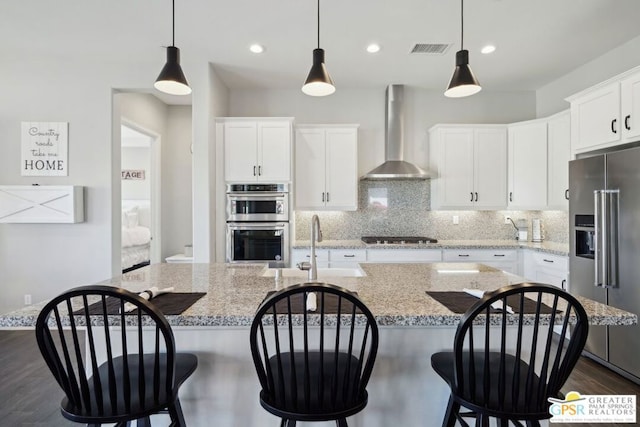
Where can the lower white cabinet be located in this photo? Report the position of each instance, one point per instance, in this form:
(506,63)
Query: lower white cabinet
(302,255)
(502,259)
(404,255)
(546,268)
(346,258)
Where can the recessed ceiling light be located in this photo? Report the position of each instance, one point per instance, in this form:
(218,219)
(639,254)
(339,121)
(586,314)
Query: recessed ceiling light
(256,48)
(488,49)
(373,48)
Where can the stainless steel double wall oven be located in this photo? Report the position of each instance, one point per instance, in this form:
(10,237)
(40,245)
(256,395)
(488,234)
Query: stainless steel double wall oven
(257,223)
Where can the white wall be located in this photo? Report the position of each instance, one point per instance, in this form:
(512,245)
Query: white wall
(423,109)
(550,98)
(44,259)
(177,223)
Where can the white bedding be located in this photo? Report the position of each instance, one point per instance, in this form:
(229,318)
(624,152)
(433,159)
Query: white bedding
(135,255)
(135,236)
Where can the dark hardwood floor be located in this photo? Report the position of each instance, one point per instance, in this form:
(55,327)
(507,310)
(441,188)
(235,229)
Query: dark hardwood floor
(29,395)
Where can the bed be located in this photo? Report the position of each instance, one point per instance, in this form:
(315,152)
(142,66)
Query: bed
(136,234)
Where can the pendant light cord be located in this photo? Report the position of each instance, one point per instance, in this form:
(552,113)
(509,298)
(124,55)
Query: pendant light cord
(173,22)
(461,24)
(318,24)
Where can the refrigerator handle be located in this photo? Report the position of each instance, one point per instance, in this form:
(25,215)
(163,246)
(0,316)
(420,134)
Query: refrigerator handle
(597,204)
(612,237)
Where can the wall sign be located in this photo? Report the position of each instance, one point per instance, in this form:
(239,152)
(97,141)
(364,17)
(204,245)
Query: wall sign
(44,149)
(136,174)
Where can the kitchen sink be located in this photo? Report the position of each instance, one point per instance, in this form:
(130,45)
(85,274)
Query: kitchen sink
(322,272)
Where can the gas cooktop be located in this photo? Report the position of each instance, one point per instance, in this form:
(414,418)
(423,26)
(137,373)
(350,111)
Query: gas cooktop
(380,240)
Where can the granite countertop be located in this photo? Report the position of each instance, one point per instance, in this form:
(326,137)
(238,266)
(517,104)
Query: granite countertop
(554,248)
(395,293)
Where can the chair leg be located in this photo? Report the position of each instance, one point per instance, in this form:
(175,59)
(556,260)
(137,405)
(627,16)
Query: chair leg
(482,420)
(287,423)
(502,422)
(144,422)
(342,422)
(175,412)
(450,416)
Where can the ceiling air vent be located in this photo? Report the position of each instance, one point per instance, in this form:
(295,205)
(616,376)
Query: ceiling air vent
(431,48)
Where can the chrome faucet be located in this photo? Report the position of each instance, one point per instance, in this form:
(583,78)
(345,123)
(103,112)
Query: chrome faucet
(316,236)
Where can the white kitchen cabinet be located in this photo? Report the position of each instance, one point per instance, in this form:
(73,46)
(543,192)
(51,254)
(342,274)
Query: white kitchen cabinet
(558,156)
(546,268)
(527,165)
(404,255)
(606,114)
(304,255)
(326,166)
(257,150)
(346,258)
(502,259)
(471,165)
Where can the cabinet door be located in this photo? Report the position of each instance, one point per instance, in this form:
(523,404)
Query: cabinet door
(630,88)
(456,170)
(528,166)
(274,151)
(240,151)
(341,169)
(559,146)
(490,168)
(310,169)
(595,118)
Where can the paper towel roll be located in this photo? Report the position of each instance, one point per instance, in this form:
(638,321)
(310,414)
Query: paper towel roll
(536,230)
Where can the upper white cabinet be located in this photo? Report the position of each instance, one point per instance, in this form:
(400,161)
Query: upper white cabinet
(471,165)
(558,156)
(528,165)
(257,150)
(606,114)
(326,167)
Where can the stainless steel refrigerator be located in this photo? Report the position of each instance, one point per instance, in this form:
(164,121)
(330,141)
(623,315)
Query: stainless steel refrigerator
(604,218)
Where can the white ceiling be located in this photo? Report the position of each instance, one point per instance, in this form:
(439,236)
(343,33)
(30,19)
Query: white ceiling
(537,40)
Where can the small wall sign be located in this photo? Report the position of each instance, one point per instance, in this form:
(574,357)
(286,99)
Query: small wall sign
(44,149)
(136,174)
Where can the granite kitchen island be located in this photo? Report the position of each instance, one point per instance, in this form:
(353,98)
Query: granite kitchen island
(403,390)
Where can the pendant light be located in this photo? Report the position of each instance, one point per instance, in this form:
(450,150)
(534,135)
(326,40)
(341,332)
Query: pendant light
(318,81)
(463,82)
(171,79)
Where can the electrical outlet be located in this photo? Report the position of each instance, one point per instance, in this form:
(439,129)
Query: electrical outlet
(507,219)
(456,219)
(27,299)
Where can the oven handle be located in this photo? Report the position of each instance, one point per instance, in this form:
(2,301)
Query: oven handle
(264,225)
(243,196)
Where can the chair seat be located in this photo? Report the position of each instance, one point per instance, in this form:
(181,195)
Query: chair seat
(185,365)
(515,401)
(313,396)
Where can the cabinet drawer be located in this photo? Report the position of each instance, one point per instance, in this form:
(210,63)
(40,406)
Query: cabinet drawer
(347,255)
(404,255)
(555,262)
(479,255)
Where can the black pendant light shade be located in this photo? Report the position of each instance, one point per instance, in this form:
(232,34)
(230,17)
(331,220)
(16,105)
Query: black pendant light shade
(463,82)
(318,81)
(171,79)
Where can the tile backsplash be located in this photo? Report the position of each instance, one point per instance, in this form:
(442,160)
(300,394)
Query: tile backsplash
(402,208)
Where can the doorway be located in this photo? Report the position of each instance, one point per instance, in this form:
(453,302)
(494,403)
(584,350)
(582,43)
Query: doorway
(140,244)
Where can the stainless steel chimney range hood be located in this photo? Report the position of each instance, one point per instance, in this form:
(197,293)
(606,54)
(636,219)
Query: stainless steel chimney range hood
(394,166)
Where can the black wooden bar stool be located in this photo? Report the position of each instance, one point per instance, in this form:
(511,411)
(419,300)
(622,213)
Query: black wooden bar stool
(509,372)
